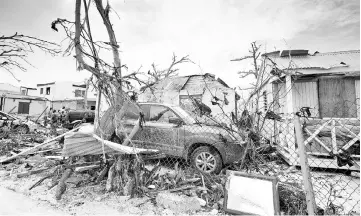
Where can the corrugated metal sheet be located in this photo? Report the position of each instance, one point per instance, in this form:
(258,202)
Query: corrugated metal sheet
(173,83)
(344,61)
(83,144)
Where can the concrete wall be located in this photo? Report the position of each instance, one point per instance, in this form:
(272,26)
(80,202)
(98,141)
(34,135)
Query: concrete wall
(57,105)
(35,108)
(63,90)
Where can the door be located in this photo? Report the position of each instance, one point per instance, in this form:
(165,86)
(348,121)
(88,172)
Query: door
(23,108)
(141,138)
(162,134)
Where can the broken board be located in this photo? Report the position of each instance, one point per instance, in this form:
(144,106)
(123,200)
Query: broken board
(248,194)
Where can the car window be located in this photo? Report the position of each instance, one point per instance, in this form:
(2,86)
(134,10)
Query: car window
(161,114)
(134,115)
(130,115)
(146,110)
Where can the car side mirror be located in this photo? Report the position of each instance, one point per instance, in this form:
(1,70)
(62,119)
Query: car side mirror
(175,120)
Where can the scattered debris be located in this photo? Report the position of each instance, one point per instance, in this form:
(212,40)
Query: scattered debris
(178,203)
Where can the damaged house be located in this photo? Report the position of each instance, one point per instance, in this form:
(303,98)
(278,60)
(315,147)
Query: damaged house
(183,90)
(20,100)
(326,84)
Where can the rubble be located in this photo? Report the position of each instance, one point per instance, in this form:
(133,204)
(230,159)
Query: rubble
(172,190)
(178,203)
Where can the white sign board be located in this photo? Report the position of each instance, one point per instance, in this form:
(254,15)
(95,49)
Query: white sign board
(251,194)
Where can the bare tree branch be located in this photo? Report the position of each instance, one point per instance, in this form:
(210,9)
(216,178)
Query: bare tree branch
(15,49)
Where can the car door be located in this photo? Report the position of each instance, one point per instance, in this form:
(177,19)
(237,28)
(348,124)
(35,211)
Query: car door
(162,134)
(141,138)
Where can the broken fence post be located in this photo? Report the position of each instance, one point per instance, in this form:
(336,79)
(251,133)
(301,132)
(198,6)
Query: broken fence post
(310,196)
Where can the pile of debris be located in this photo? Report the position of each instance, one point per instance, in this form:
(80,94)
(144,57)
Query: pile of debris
(126,170)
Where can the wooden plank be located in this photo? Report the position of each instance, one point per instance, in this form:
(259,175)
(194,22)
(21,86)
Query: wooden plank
(333,137)
(331,164)
(346,128)
(316,132)
(349,144)
(310,196)
(327,154)
(317,140)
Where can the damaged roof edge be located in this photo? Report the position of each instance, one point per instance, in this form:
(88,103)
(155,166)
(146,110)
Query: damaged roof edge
(44,84)
(285,53)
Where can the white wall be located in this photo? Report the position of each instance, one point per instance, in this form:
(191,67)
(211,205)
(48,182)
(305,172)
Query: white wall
(35,107)
(63,90)
(57,105)
(33,92)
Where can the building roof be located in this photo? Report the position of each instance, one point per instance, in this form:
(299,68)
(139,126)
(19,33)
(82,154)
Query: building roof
(80,86)
(331,62)
(177,83)
(30,88)
(45,84)
(20,96)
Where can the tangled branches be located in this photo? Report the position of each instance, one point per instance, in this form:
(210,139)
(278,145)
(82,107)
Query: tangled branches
(15,49)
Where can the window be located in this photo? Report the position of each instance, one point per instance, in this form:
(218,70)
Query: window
(132,115)
(47,90)
(161,114)
(23,92)
(79,93)
(92,107)
(41,91)
(23,108)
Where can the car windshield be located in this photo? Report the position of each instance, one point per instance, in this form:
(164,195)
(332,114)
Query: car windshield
(184,114)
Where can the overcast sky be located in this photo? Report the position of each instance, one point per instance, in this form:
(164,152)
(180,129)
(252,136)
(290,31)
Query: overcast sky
(211,32)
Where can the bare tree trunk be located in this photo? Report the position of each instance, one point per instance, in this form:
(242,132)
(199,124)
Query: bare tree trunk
(116,57)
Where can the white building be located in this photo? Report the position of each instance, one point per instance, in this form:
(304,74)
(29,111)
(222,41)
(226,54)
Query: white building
(67,93)
(21,100)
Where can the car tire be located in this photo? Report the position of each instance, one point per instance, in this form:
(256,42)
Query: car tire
(206,160)
(22,129)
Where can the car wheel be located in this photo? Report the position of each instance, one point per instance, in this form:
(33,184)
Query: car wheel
(22,129)
(206,160)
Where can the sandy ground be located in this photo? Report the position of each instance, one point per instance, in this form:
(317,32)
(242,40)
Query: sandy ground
(339,189)
(81,200)
(12,203)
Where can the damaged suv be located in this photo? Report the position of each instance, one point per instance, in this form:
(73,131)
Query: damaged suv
(176,133)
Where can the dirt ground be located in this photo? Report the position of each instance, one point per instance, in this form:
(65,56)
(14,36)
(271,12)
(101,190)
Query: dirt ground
(12,203)
(331,187)
(85,200)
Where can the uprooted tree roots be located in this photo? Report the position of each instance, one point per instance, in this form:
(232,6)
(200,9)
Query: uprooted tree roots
(124,175)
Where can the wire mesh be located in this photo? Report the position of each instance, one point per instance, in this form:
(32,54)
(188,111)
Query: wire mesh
(196,143)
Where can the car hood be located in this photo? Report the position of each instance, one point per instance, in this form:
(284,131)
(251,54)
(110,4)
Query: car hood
(216,130)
